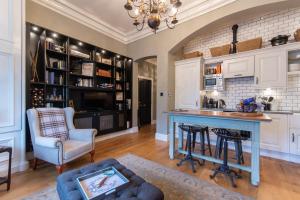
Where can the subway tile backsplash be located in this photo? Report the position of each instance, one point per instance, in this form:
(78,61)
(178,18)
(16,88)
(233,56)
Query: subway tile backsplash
(288,99)
(267,25)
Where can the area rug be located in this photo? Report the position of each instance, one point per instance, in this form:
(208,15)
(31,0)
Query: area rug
(174,184)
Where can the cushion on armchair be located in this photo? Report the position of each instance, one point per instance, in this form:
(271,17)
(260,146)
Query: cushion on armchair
(53,123)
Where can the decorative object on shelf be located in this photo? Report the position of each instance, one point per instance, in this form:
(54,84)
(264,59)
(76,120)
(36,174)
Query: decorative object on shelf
(234,38)
(119,96)
(297,35)
(71,103)
(220,51)
(98,57)
(153,12)
(49,44)
(192,55)
(248,45)
(35,76)
(119,63)
(280,40)
(87,69)
(37,97)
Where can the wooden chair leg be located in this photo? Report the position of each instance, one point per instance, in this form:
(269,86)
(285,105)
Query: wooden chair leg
(59,169)
(92,153)
(35,162)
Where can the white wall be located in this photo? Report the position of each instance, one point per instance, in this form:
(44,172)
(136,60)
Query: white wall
(12,83)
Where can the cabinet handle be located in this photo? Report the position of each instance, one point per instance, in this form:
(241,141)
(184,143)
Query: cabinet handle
(293,137)
(238,75)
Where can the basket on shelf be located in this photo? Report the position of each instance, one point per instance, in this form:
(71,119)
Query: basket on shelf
(297,35)
(220,51)
(192,55)
(248,45)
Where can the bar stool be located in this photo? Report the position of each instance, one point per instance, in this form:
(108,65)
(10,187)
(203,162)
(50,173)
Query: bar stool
(188,157)
(203,131)
(237,145)
(225,136)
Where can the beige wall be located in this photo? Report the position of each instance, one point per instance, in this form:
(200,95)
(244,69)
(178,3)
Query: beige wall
(169,41)
(47,18)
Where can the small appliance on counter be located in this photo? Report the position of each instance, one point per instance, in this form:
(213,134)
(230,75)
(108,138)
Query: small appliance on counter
(211,103)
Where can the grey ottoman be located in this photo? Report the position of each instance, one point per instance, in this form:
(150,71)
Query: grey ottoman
(137,189)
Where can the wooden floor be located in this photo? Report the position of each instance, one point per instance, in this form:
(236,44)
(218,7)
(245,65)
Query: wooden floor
(279,179)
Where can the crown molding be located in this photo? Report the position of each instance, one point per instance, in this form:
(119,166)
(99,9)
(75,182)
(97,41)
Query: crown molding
(79,15)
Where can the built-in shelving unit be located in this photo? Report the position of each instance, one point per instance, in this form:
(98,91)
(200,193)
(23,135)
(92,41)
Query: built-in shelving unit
(62,69)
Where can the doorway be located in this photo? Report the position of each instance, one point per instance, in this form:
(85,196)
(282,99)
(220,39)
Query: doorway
(145,101)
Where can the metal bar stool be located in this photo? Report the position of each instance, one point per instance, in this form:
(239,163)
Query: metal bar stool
(203,131)
(188,157)
(225,136)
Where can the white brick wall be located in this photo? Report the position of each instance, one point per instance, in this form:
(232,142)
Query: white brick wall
(240,88)
(266,26)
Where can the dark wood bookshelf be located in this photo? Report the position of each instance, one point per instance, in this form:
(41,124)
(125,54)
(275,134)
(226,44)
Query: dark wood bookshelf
(56,64)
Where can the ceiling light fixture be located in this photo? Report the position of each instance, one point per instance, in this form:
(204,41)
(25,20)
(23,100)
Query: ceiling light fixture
(35,28)
(80,43)
(54,35)
(153,12)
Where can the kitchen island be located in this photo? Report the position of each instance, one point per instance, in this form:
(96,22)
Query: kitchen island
(219,119)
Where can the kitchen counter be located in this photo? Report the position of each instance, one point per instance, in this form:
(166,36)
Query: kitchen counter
(221,114)
(219,119)
(286,112)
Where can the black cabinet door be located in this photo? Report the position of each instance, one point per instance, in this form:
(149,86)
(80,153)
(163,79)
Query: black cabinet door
(145,87)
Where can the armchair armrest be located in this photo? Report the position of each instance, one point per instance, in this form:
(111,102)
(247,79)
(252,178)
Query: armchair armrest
(48,142)
(83,134)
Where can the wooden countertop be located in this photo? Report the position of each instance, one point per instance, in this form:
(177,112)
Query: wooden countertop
(221,114)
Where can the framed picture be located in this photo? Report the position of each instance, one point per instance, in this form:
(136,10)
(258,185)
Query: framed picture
(87,69)
(101,183)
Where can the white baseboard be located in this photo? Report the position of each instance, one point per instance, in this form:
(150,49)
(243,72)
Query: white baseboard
(15,167)
(116,134)
(161,137)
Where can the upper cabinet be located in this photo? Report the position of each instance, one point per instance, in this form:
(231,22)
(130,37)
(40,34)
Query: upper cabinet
(188,80)
(271,69)
(238,67)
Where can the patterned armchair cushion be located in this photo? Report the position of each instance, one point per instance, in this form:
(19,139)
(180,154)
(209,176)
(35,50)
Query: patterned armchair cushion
(53,123)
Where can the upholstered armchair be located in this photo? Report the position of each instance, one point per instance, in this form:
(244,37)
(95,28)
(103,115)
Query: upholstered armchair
(57,151)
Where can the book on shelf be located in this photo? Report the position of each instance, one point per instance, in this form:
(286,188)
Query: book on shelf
(56,63)
(49,44)
(80,54)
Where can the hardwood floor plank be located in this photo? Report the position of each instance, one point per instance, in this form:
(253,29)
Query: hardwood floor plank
(279,179)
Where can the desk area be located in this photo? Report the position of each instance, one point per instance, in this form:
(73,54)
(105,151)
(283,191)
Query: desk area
(219,119)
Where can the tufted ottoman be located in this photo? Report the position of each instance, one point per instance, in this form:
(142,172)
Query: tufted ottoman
(137,189)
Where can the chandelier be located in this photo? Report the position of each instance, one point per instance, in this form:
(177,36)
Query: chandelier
(153,12)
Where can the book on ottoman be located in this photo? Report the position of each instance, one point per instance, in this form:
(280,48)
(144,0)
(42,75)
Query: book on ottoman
(101,183)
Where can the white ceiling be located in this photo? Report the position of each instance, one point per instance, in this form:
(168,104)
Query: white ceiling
(110,17)
(113,12)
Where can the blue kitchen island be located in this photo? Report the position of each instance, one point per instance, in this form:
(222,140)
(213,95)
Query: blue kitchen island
(218,119)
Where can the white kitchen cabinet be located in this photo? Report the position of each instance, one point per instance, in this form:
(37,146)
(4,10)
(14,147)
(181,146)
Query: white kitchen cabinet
(271,69)
(295,141)
(188,81)
(274,134)
(238,67)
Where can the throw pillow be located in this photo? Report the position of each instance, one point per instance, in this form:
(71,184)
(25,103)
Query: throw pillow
(53,123)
